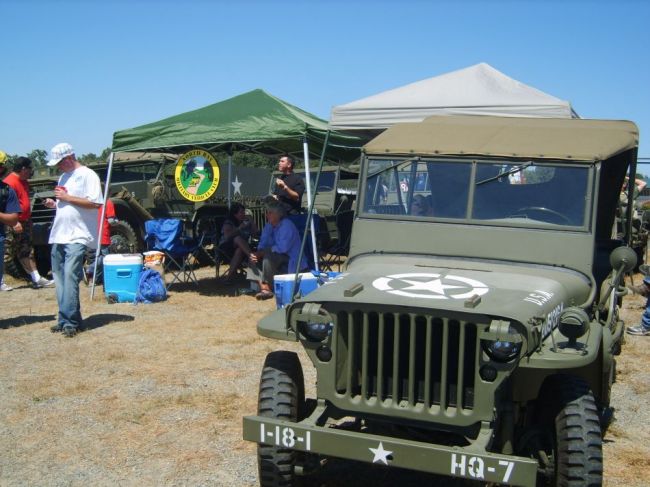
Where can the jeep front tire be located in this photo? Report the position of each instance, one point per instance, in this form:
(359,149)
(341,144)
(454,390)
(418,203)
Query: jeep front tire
(281,396)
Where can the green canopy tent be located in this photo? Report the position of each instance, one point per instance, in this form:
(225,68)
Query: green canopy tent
(253,121)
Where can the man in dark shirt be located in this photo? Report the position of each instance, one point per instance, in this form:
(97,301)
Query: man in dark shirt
(289,187)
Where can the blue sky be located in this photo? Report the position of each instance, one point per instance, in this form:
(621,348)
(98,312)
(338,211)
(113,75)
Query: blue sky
(77,71)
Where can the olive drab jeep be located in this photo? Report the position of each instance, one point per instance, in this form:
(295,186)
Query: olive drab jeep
(474,330)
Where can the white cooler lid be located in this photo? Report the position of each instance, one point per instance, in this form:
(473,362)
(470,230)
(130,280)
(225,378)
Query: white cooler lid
(123,259)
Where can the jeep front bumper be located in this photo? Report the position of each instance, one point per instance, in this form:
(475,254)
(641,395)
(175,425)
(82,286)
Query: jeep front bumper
(392,452)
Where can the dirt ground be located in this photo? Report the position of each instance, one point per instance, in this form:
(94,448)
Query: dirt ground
(154,394)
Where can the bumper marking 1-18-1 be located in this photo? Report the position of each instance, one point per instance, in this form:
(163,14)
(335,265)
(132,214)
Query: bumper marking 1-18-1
(284,437)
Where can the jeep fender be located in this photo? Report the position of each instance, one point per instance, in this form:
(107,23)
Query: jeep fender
(586,362)
(274,326)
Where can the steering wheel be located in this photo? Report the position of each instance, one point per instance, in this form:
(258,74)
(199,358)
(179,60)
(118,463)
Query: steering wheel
(555,215)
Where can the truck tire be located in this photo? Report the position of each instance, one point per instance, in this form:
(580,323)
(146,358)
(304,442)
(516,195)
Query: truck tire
(12,265)
(123,238)
(577,445)
(281,396)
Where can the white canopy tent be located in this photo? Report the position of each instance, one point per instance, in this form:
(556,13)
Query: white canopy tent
(476,90)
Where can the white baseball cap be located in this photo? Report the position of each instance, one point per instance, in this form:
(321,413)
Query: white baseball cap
(58,152)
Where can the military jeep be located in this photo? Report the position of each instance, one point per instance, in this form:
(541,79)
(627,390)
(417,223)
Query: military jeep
(474,340)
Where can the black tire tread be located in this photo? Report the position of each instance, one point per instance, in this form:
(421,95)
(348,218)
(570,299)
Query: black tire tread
(579,456)
(125,230)
(281,396)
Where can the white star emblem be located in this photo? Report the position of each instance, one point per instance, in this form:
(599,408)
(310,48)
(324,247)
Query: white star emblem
(237,185)
(381,455)
(435,286)
(430,286)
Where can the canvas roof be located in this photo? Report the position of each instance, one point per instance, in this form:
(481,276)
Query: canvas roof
(476,90)
(254,120)
(545,138)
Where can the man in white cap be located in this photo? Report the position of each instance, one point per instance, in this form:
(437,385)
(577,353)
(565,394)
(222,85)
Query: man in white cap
(9,210)
(78,195)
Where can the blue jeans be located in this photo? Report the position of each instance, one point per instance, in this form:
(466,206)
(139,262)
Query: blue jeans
(645,318)
(67,266)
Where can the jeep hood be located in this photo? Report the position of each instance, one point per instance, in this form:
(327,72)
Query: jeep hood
(513,291)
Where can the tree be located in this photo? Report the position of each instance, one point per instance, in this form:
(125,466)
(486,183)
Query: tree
(88,158)
(38,157)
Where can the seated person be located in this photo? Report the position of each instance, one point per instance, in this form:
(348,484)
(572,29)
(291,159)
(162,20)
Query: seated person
(420,206)
(277,251)
(236,233)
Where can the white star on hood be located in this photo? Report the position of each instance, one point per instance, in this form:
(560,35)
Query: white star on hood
(434,286)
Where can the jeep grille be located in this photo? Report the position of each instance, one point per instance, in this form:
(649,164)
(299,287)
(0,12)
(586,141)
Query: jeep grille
(406,360)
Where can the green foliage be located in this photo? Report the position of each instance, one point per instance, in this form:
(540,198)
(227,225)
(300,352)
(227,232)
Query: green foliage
(38,157)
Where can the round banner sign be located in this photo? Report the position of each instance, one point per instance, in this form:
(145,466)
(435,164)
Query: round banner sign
(197,175)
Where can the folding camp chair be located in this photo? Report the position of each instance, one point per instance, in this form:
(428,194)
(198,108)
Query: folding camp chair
(341,245)
(300,221)
(166,235)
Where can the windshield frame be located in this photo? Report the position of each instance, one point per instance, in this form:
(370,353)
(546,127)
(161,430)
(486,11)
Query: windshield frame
(404,199)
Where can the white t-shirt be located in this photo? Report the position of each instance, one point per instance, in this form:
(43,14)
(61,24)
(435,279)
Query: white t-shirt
(73,224)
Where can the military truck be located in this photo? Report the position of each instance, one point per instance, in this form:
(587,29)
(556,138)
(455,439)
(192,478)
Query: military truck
(477,340)
(143,187)
(335,194)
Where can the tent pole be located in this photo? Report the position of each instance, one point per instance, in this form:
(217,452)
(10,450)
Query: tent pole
(309,219)
(101,224)
(305,149)
(229,176)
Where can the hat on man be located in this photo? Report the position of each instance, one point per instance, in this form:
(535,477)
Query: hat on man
(58,152)
(3,157)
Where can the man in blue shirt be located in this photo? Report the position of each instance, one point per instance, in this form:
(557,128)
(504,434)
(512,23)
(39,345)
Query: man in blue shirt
(277,251)
(9,210)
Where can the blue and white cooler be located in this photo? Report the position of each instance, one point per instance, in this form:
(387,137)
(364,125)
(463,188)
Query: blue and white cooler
(283,284)
(122,276)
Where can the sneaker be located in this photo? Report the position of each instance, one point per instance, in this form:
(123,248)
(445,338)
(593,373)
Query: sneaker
(42,282)
(56,328)
(6,287)
(638,330)
(69,331)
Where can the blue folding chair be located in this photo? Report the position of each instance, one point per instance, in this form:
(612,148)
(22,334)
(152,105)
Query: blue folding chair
(300,221)
(166,235)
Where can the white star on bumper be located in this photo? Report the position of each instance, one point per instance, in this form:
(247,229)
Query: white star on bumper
(381,455)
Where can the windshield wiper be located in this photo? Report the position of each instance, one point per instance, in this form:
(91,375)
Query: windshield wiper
(509,172)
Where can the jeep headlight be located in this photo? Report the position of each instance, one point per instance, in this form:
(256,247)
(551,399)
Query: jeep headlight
(314,322)
(507,343)
(316,332)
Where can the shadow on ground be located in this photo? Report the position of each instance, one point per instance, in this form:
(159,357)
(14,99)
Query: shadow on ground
(24,320)
(210,286)
(344,473)
(99,320)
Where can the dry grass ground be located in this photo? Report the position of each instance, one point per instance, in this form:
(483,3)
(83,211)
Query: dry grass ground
(154,394)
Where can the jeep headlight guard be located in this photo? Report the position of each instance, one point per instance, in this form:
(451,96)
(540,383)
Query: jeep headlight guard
(314,323)
(502,342)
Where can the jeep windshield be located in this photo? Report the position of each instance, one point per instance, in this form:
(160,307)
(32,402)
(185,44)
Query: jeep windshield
(529,193)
